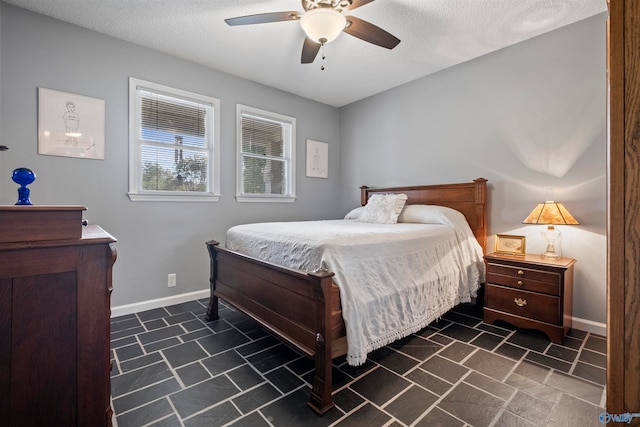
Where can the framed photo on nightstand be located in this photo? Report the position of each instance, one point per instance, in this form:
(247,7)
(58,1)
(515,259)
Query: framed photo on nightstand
(507,244)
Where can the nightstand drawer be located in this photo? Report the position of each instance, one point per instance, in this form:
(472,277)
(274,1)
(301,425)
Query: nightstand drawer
(524,278)
(544,308)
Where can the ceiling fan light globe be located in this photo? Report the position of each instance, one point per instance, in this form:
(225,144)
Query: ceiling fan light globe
(323,25)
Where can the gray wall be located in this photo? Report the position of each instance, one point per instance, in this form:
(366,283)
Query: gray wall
(154,239)
(526,117)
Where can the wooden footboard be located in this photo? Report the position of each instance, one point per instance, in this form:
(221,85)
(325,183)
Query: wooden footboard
(301,308)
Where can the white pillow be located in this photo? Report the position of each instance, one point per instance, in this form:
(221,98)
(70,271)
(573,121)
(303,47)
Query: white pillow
(383,208)
(429,214)
(354,213)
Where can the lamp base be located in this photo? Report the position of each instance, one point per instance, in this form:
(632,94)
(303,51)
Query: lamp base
(551,234)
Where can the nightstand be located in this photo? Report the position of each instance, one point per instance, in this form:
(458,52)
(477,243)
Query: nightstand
(530,292)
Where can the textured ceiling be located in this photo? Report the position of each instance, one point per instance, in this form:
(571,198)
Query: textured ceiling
(434,34)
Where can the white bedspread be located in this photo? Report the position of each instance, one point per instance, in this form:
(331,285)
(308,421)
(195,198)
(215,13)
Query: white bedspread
(394,279)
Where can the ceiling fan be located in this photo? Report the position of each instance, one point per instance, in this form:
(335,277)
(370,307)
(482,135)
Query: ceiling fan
(323,21)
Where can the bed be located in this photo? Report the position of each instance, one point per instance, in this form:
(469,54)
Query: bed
(304,308)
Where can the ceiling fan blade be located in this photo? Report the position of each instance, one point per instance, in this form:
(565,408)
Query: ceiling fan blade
(358,3)
(263,18)
(310,50)
(370,33)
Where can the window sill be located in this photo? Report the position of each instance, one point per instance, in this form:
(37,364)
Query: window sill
(266,199)
(173,197)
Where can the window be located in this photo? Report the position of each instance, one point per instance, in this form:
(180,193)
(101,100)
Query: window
(266,152)
(173,144)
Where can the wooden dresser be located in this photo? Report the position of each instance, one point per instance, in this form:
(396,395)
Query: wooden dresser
(55,287)
(530,292)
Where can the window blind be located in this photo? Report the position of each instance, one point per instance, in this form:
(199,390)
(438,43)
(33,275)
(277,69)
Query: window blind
(181,164)
(163,117)
(263,148)
(260,136)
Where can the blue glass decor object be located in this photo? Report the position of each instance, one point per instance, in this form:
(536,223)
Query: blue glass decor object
(24,177)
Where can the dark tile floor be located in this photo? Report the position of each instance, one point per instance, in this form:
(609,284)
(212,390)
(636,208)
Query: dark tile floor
(171,368)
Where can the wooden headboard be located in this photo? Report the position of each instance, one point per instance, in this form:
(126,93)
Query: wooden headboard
(470,198)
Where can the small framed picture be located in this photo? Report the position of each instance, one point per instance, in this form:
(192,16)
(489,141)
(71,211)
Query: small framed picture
(70,125)
(510,245)
(317,159)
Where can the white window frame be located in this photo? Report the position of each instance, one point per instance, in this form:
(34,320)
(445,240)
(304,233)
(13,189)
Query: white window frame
(289,157)
(136,193)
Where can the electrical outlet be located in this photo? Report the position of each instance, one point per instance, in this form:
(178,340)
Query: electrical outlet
(171,280)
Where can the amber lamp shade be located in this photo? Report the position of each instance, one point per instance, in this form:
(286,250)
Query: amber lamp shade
(550,213)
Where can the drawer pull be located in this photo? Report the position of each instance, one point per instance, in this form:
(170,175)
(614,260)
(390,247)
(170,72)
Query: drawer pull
(520,273)
(520,302)
(520,283)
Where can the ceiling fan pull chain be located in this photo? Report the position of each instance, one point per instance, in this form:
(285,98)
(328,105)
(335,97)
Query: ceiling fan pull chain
(322,66)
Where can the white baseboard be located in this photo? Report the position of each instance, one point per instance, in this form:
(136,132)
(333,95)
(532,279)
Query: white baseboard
(137,307)
(589,326)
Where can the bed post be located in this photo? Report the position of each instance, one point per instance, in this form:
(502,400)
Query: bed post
(481,209)
(321,400)
(363,195)
(212,310)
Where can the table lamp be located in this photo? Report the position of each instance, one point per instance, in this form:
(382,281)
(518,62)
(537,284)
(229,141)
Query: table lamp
(550,213)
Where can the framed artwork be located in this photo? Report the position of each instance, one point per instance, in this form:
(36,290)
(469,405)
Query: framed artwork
(510,245)
(70,125)
(317,159)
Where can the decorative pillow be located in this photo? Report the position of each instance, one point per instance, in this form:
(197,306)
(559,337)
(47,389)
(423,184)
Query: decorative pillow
(355,213)
(383,208)
(429,214)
